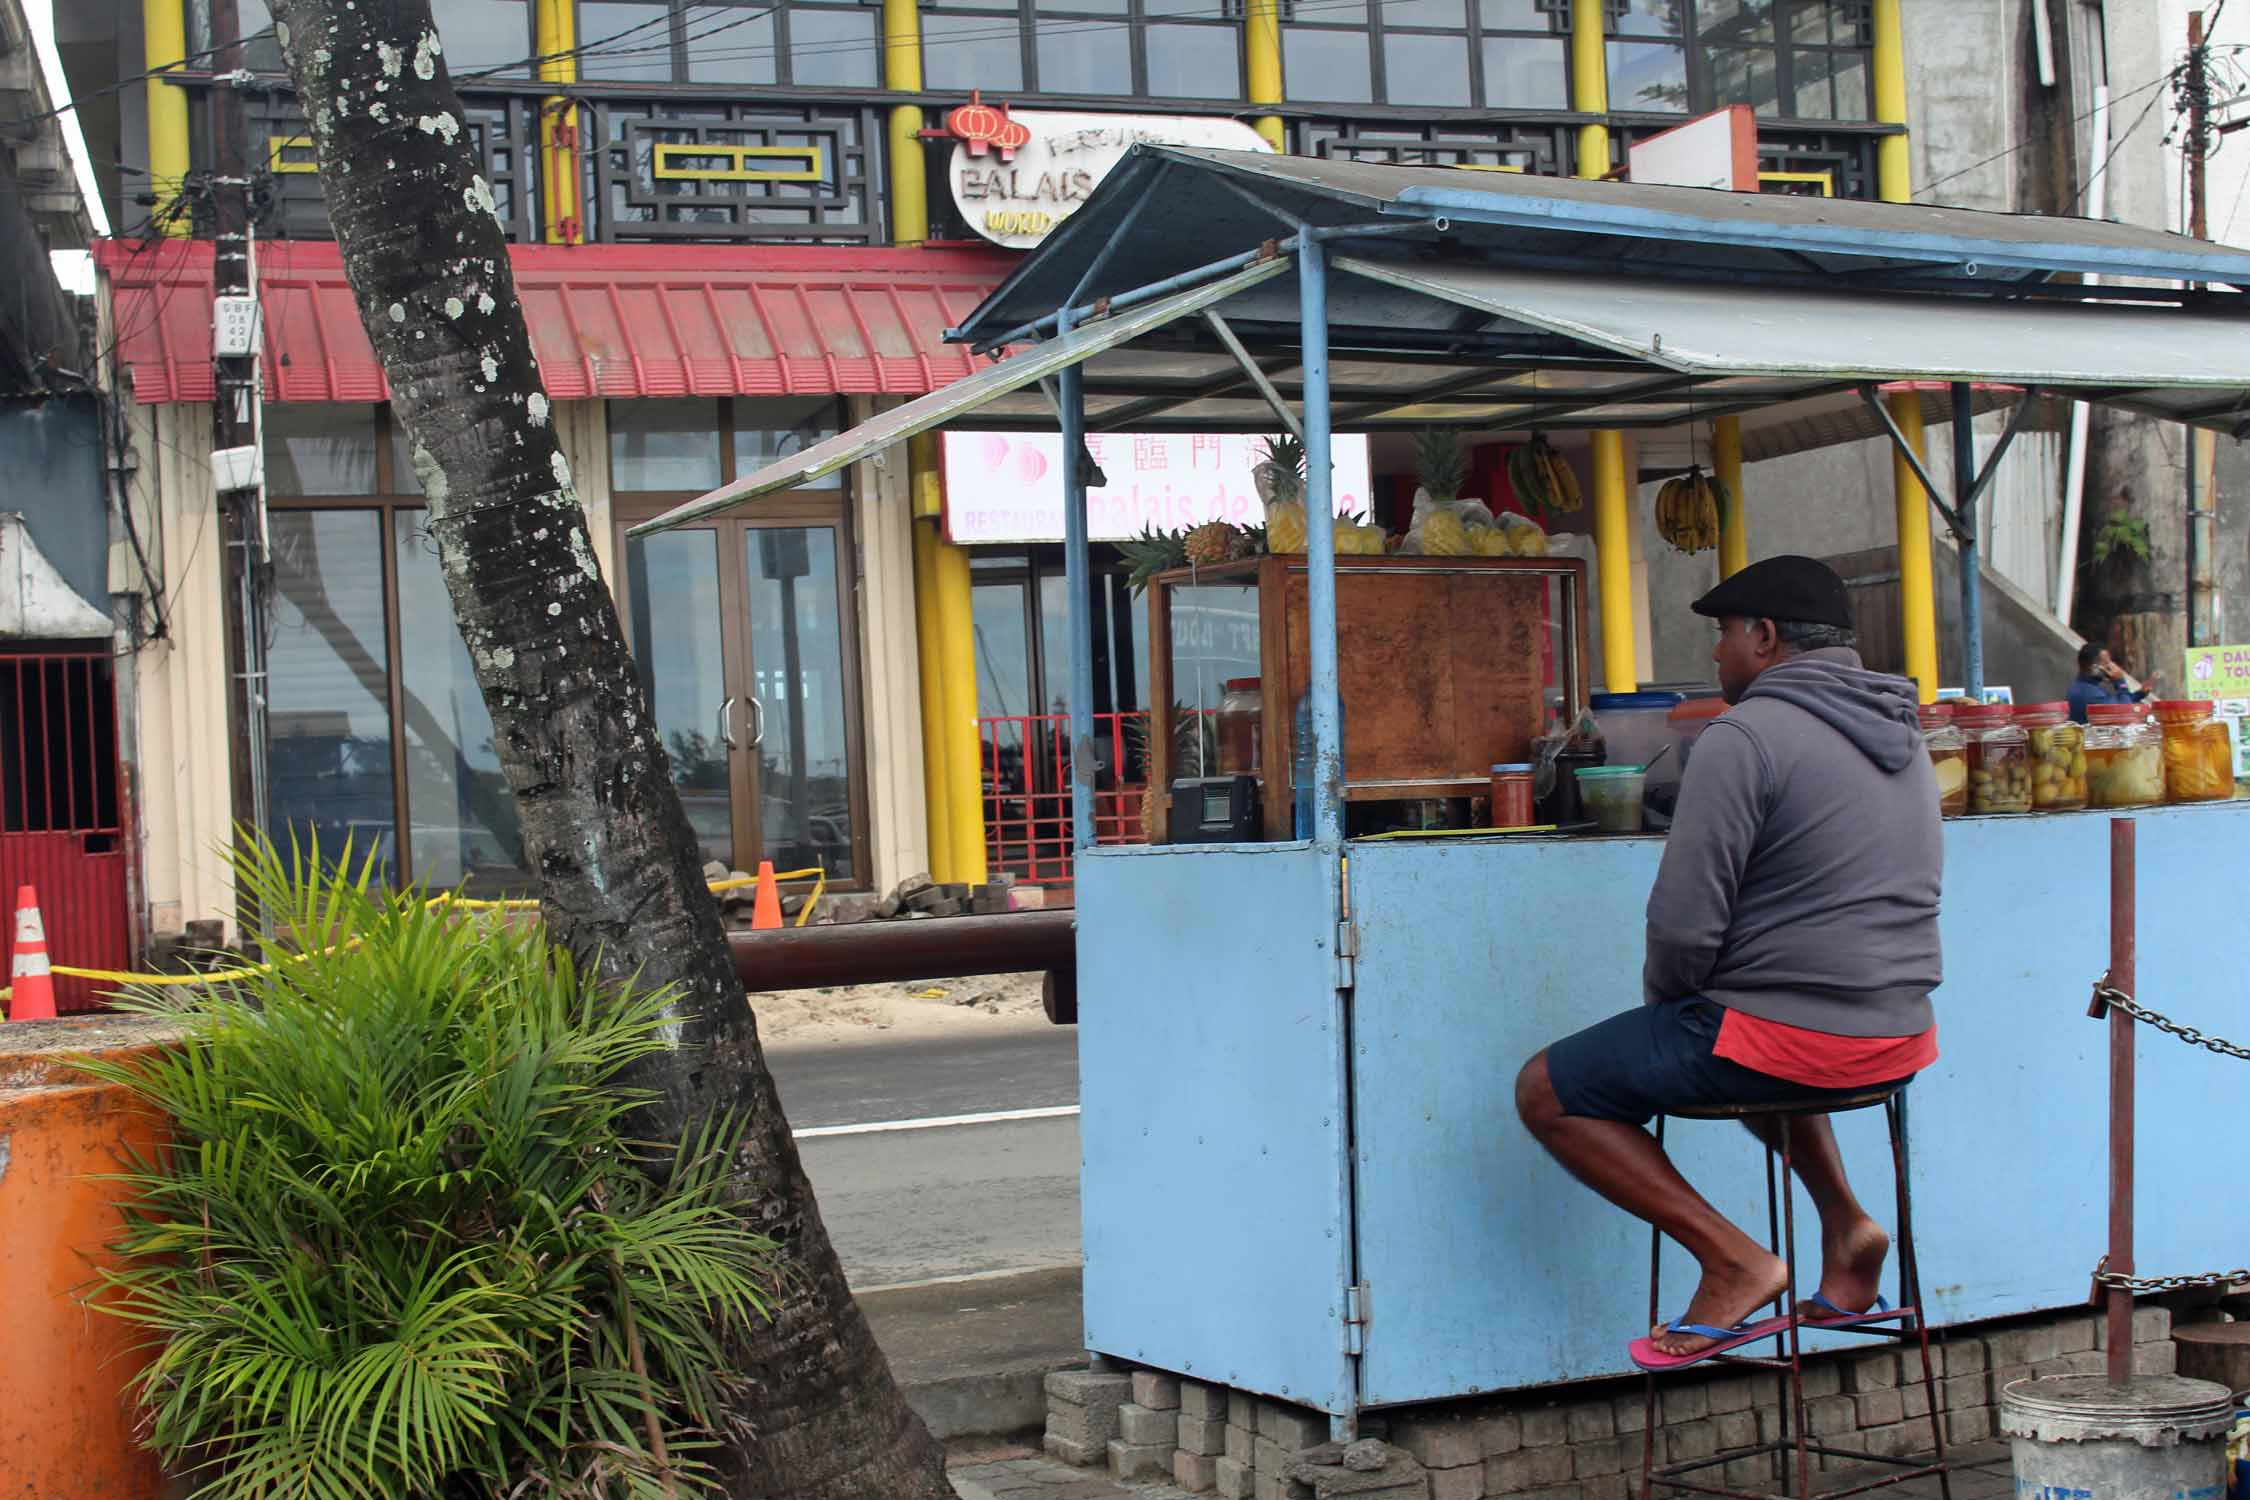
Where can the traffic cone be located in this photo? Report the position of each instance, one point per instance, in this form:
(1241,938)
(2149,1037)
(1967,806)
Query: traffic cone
(34,986)
(765,911)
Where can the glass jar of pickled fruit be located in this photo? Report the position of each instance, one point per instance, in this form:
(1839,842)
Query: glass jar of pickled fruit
(1949,757)
(2058,756)
(2198,756)
(2124,757)
(1999,758)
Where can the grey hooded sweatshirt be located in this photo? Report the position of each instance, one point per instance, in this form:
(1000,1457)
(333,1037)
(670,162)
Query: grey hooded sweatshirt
(1800,882)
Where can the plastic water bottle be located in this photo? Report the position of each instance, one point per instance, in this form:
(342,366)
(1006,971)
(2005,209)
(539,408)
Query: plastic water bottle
(1302,775)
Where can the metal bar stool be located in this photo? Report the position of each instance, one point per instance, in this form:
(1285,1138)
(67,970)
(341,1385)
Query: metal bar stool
(1792,1436)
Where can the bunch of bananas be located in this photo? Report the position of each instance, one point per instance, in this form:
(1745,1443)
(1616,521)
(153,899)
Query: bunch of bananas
(1690,509)
(1542,479)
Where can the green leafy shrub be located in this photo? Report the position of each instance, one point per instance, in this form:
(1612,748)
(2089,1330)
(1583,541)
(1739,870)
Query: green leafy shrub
(400,1244)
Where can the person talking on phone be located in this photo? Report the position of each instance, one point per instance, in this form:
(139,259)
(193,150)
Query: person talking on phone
(2100,680)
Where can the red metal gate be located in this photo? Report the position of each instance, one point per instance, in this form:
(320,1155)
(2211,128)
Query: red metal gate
(61,819)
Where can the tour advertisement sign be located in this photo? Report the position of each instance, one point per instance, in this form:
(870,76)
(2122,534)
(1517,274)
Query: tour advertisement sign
(2218,672)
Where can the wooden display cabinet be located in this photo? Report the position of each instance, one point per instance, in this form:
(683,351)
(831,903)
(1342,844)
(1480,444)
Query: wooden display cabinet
(1443,665)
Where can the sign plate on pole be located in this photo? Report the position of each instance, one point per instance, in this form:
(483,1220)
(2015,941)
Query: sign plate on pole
(234,327)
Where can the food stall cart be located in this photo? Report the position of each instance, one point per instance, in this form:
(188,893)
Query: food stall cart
(1302,1171)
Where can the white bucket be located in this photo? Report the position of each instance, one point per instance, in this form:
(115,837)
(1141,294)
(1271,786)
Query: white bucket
(2077,1437)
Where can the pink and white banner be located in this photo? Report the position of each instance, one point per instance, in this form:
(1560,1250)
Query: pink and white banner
(1007,486)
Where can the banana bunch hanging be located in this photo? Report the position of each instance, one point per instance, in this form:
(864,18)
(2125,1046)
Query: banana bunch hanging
(1691,509)
(1541,478)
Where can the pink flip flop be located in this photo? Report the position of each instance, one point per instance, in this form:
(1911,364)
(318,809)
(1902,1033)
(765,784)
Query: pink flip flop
(1645,1353)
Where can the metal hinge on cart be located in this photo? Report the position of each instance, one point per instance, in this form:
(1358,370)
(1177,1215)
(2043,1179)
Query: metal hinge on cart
(1358,1311)
(1347,954)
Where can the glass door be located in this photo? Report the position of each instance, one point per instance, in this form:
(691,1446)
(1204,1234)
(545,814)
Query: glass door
(679,615)
(800,738)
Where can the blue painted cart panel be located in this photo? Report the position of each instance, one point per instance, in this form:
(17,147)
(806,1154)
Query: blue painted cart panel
(1211,1068)
(1489,1269)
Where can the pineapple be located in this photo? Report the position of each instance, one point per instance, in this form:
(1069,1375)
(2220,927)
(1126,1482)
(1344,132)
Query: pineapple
(1438,465)
(1444,534)
(1151,553)
(1210,544)
(1281,485)
(1285,526)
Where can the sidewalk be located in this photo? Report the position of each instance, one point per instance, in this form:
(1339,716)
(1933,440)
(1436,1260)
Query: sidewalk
(973,1356)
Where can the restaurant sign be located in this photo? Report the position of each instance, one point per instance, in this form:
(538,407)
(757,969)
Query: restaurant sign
(1007,486)
(1016,174)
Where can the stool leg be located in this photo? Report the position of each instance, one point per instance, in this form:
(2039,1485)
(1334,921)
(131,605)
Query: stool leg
(1648,1379)
(1910,1279)
(1781,1337)
(1796,1405)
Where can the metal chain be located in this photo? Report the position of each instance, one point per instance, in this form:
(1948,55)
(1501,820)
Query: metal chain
(2104,1276)
(2107,995)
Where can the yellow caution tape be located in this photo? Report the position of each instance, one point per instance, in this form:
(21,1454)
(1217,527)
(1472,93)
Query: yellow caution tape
(817,875)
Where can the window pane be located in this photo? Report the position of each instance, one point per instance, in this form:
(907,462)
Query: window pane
(461,816)
(1734,21)
(765,431)
(1512,15)
(674,586)
(1210,10)
(1520,73)
(1431,70)
(1851,86)
(1084,57)
(834,48)
(967,52)
(1813,100)
(797,647)
(731,44)
(664,445)
(1452,14)
(631,42)
(1744,75)
(1330,67)
(1652,18)
(328,716)
(1648,75)
(319,450)
(404,481)
(1194,62)
(484,35)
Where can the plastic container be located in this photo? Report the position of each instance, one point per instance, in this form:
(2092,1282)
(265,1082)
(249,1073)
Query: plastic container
(1241,726)
(1687,723)
(2058,756)
(1949,756)
(2198,752)
(1999,758)
(1612,795)
(2124,756)
(1511,795)
(1634,726)
(1560,803)
(2156,1435)
(1301,759)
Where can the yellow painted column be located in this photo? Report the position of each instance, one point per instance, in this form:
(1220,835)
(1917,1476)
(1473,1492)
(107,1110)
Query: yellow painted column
(559,176)
(964,747)
(1613,521)
(1726,463)
(163,48)
(902,71)
(1893,172)
(940,826)
(1261,52)
(1917,595)
(1589,83)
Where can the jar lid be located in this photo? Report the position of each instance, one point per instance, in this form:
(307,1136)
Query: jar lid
(1241,684)
(1934,715)
(1979,714)
(2184,708)
(2115,713)
(1524,766)
(1606,702)
(2042,708)
(1607,773)
(1695,710)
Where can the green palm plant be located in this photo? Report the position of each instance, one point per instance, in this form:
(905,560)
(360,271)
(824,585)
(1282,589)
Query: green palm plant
(401,1242)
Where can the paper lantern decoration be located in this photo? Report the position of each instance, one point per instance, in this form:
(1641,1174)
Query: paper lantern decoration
(1013,136)
(977,124)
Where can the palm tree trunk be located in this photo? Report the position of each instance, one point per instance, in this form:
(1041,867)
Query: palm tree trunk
(619,872)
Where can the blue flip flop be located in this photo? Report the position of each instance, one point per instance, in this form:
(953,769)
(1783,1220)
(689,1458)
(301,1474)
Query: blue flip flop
(1644,1352)
(1817,1311)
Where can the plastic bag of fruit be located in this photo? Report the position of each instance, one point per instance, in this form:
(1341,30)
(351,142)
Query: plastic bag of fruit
(1446,528)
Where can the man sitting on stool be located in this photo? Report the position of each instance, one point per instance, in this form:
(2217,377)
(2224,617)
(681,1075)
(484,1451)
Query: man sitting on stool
(1792,947)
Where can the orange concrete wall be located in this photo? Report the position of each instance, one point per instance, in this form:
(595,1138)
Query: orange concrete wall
(66,1423)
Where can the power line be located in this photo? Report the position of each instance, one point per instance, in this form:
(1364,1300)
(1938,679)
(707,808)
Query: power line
(2157,82)
(125,83)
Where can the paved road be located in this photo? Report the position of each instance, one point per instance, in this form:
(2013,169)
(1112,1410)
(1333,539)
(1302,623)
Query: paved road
(916,1205)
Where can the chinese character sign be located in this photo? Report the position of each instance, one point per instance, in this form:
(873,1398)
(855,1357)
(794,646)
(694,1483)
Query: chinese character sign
(1007,486)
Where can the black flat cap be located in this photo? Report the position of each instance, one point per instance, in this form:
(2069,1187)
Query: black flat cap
(1781,588)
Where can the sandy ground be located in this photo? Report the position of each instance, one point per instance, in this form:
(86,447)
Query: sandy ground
(981,1004)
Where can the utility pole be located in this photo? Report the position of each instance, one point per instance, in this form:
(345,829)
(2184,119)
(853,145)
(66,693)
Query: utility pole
(2202,448)
(238,474)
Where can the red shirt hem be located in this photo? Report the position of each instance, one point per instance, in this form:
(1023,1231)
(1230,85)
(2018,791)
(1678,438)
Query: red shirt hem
(1819,1059)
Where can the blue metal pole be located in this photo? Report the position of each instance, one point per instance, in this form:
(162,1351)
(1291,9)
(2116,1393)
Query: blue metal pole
(1078,585)
(1965,525)
(1320,549)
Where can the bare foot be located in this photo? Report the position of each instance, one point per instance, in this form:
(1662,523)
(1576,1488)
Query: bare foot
(1851,1265)
(1726,1296)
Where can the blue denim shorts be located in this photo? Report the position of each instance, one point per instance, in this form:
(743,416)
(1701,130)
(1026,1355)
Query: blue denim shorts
(1657,1060)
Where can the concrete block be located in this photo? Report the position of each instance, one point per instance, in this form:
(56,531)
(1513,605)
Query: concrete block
(1273,1458)
(1831,1415)
(1087,1388)
(1027,898)
(1963,1355)
(1156,1390)
(1499,1434)
(2075,1334)
(1871,1372)
(1960,1392)
(1291,1426)
(1090,1426)
(1915,1400)
(2151,1324)
(1232,1479)
(1608,1487)
(1464,1483)
(2156,1359)
(1736,1429)
(1139,1460)
(1140,1427)
(1823,1378)
(1631,1413)
(1603,1456)
(2024,1345)
(1267,1486)
(1242,1446)
(1557,1492)
(2085,1362)
(1684,1403)
(1590,1422)
(1530,1469)
(1880,1408)
(1749,1473)
(1396,1474)
(1544,1427)
(1440,1444)
(1685,1441)
(1195,1472)
(1735,1393)
(1205,1402)
(1201,1435)
(1242,1410)
(1078,1455)
(1895,1441)
(1972,1426)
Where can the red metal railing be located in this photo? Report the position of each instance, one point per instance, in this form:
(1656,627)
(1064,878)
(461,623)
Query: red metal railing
(62,827)
(1027,791)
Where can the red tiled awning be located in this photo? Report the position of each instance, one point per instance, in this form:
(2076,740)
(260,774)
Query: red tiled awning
(606,320)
